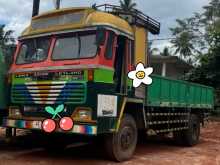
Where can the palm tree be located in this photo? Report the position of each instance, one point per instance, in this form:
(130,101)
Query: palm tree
(183,44)
(127,5)
(184,38)
(212,11)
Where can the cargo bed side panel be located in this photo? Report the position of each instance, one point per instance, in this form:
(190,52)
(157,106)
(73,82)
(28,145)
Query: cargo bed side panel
(165,92)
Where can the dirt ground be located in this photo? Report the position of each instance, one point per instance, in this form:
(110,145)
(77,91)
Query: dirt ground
(26,152)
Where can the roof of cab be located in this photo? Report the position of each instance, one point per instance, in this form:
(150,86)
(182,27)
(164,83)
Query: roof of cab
(91,18)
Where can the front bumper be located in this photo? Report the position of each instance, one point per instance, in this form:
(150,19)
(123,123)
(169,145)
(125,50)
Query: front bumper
(82,129)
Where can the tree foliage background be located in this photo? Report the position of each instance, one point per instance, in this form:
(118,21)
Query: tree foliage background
(7,44)
(127,5)
(198,39)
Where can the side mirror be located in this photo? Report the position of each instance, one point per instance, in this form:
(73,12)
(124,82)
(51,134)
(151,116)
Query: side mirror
(100,37)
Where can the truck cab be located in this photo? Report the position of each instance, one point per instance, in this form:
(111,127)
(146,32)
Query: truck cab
(78,58)
(69,56)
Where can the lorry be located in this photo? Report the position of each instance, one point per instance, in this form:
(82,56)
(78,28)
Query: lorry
(78,59)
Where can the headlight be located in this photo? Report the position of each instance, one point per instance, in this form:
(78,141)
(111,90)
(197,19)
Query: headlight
(82,114)
(14,111)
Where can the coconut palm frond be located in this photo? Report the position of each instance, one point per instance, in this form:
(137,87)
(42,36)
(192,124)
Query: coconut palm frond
(127,5)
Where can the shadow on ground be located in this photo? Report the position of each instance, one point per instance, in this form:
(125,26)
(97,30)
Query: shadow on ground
(32,146)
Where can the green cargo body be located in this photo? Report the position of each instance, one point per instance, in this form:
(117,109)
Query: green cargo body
(165,92)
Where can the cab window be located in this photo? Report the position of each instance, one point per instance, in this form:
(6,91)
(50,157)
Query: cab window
(77,46)
(109,46)
(33,50)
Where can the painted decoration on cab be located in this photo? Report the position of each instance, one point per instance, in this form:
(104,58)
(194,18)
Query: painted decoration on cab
(141,75)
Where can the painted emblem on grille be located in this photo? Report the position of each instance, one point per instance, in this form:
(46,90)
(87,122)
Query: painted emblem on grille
(45,93)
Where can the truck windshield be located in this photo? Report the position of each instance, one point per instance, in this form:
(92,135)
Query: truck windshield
(33,50)
(75,47)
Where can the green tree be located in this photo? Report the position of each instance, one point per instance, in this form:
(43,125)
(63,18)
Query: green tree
(5,36)
(7,44)
(183,44)
(127,5)
(204,28)
(212,12)
(208,70)
(183,41)
(193,36)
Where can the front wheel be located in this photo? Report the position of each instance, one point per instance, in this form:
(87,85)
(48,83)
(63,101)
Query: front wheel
(121,145)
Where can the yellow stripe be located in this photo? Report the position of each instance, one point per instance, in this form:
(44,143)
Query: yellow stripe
(121,114)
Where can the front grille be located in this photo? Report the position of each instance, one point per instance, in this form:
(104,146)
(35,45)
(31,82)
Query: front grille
(49,93)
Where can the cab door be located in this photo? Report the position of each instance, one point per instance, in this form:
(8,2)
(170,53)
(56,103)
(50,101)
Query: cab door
(121,65)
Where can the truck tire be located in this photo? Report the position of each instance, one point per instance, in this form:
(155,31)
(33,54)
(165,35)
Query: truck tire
(189,137)
(121,145)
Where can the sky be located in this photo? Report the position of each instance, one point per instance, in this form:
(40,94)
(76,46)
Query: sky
(16,14)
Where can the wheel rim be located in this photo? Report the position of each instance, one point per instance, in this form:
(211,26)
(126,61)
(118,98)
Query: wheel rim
(127,138)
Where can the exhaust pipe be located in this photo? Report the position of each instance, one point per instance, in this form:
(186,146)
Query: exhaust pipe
(36,6)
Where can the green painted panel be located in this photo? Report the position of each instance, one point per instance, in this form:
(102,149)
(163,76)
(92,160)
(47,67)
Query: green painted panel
(154,92)
(198,95)
(175,93)
(103,75)
(182,94)
(165,91)
(204,97)
(210,96)
(191,95)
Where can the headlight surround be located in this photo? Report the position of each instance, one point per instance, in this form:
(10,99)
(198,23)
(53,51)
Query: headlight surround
(82,113)
(14,111)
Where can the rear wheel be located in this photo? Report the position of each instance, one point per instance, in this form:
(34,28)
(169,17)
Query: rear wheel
(120,146)
(189,137)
